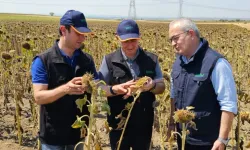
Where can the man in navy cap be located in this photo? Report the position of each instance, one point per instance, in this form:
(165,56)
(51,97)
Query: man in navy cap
(127,63)
(56,75)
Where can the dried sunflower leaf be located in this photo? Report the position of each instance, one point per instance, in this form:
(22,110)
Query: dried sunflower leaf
(78,123)
(119,116)
(248,145)
(121,123)
(192,124)
(106,126)
(83,132)
(81,102)
(97,146)
(105,107)
(128,106)
(95,108)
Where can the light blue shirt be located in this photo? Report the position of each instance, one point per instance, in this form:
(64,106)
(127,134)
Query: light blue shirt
(133,67)
(223,83)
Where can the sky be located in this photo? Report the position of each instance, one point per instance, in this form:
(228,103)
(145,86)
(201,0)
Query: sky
(215,9)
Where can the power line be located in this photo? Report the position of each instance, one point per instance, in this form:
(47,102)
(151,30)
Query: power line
(87,5)
(214,7)
(125,5)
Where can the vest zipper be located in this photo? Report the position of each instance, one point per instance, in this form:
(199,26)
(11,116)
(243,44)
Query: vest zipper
(183,90)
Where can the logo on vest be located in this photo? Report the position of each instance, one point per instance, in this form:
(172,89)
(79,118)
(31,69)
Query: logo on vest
(149,72)
(199,75)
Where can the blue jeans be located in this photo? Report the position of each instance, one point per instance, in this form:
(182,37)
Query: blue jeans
(61,147)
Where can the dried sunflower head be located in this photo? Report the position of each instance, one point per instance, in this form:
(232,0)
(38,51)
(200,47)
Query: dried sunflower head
(140,82)
(183,116)
(192,124)
(6,56)
(26,46)
(245,116)
(86,82)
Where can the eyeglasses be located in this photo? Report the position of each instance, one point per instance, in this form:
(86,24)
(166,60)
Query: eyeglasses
(176,37)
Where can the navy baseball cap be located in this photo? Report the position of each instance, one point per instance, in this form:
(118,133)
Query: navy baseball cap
(76,20)
(127,30)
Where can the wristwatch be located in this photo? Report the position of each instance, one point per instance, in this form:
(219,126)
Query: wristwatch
(224,141)
(111,90)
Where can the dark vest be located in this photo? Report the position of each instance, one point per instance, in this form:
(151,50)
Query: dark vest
(193,87)
(56,118)
(143,113)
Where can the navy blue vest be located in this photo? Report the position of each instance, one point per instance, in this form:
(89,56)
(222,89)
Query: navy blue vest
(56,118)
(142,115)
(193,87)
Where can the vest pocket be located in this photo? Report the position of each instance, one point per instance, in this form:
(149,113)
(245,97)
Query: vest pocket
(203,123)
(117,76)
(118,73)
(175,74)
(176,84)
(61,79)
(197,82)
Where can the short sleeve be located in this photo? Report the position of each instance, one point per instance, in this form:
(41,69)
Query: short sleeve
(38,72)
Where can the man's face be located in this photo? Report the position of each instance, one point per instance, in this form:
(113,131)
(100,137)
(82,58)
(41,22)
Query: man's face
(73,38)
(180,40)
(130,47)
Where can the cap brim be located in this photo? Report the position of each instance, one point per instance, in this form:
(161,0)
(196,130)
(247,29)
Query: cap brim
(81,30)
(131,36)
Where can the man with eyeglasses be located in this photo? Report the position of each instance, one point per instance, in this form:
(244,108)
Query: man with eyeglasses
(202,78)
(56,77)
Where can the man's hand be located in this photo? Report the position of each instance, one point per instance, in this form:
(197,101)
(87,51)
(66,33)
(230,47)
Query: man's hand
(218,145)
(149,85)
(123,88)
(146,87)
(74,87)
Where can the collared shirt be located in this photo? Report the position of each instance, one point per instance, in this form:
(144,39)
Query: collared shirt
(223,83)
(39,73)
(71,60)
(186,60)
(133,67)
(104,73)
